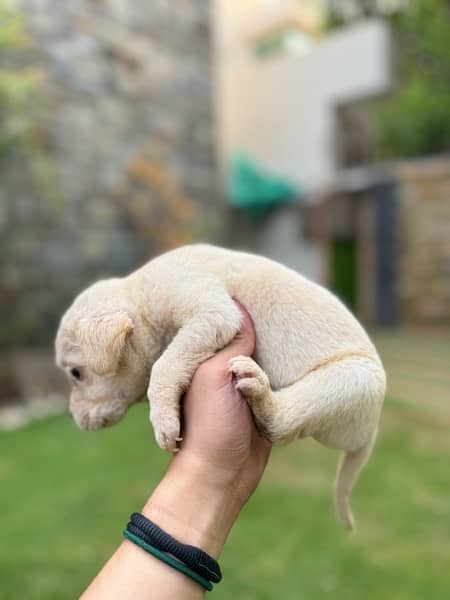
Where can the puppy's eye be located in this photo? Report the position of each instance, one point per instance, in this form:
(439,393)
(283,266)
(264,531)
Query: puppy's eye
(76,374)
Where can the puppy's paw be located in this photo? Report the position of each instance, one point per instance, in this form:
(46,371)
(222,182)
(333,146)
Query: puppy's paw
(167,430)
(250,379)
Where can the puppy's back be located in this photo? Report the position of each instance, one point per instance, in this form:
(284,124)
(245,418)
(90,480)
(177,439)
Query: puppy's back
(298,323)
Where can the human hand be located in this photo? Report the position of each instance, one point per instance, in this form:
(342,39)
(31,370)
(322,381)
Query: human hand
(221,459)
(218,427)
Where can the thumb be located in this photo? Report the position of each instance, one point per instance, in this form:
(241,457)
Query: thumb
(244,342)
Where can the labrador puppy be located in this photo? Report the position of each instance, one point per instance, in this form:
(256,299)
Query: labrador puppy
(314,371)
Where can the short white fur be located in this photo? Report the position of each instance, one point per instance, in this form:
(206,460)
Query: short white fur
(314,372)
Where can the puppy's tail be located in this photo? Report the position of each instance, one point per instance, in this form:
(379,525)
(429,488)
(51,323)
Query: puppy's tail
(349,468)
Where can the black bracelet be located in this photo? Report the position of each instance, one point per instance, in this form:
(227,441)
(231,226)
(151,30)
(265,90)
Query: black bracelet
(195,558)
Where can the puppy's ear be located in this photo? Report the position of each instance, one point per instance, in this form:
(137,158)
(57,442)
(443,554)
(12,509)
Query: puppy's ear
(104,340)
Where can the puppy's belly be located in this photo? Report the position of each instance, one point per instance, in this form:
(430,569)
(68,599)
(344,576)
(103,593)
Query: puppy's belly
(288,355)
(298,326)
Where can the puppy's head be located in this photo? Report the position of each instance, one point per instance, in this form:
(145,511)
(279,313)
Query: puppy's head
(95,348)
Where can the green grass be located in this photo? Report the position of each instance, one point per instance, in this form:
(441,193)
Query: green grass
(66,495)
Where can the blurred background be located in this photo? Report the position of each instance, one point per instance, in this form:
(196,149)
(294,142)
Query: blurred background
(316,132)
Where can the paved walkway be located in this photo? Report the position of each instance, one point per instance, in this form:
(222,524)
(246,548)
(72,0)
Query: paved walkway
(418,368)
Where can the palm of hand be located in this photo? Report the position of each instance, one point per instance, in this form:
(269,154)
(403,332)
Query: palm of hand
(218,427)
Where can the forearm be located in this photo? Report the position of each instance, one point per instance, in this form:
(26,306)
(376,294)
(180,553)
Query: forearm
(194,507)
(196,504)
(132,574)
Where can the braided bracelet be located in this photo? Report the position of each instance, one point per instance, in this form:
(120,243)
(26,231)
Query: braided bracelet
(187,559)
(193,557)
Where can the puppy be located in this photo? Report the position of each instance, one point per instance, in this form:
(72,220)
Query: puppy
(314,372)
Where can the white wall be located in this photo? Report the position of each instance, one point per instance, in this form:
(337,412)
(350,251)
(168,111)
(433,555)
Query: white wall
(280,110)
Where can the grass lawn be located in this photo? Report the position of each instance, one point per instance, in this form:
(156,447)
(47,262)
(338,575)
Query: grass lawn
(66,495)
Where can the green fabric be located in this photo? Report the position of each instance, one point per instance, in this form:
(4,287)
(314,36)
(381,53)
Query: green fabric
(255,190)
(166,558)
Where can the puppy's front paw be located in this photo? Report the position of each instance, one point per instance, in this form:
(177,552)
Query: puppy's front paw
(166,427)
(250,379)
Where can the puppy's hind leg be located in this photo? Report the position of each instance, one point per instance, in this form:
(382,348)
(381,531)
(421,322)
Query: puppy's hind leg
(338,404)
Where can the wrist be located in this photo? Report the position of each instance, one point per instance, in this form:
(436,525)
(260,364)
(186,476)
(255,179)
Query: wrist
(196,504)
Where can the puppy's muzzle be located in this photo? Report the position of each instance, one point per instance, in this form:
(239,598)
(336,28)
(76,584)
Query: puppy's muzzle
(96,418)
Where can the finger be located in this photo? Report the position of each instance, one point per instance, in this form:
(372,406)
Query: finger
(244,342)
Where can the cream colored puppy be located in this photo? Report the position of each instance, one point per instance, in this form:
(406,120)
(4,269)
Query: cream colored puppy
(315,372)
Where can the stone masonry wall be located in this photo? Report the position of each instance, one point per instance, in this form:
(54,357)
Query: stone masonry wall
(424,241)
(130,127)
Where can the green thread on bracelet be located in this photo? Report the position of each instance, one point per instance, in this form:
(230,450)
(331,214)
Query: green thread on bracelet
(172,562)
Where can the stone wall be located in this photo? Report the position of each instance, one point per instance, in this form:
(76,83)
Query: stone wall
(423,195)
(129,125)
